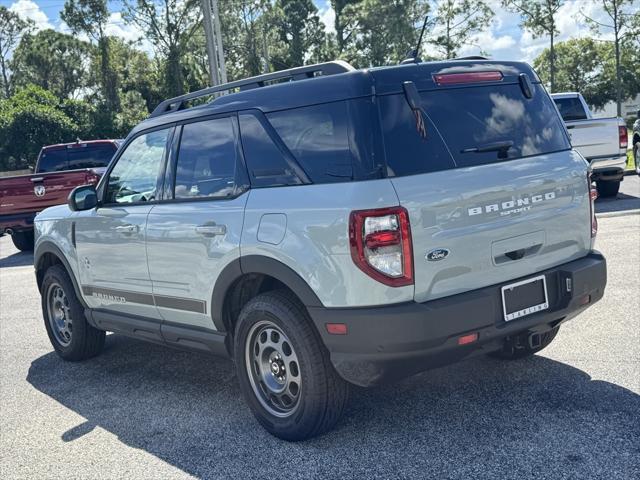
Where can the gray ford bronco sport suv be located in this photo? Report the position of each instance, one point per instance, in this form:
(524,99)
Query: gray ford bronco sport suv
(326,226)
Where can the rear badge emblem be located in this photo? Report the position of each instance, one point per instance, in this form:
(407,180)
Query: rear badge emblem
(437,254)
(39,190)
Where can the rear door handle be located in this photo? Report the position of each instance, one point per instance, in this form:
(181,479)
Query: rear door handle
(210,229)
(127,229)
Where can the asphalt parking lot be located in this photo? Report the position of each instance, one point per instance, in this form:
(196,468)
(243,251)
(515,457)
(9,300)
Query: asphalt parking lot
(143,411)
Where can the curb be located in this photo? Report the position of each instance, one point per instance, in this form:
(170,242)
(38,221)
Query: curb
(621,213)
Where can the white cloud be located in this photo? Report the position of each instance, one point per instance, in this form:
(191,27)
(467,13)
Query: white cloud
(26,9)
(117,28)
(328,17)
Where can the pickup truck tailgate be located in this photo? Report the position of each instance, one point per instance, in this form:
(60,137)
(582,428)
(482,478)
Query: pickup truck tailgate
(33,193)
(595,138)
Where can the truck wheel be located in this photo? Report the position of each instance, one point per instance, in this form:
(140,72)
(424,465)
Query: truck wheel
(23,241)
(521,349)
(284,369)
(608,188)
(70,334)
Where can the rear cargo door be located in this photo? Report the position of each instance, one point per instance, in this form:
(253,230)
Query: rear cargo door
(492,188)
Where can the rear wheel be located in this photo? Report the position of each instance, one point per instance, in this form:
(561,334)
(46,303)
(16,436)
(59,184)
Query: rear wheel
(284,369)
(70,334)
(514,349)
(608,188)
(23,241)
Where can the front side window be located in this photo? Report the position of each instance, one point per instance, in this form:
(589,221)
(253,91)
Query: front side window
(207,160)
(134,177)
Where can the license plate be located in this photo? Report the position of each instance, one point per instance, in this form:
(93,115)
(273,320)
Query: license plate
(524,298)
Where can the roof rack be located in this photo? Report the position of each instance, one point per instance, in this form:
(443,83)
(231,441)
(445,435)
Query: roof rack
(291,74)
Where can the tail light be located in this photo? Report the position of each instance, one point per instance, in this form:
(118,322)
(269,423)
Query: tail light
(381,245)
(593,194)
(467,77)
(92,178)
(623,135)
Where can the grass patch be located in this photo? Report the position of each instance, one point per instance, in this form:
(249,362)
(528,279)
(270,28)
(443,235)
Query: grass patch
(630,165)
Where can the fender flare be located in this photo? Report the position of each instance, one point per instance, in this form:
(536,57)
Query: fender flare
(263,265)
(52,248)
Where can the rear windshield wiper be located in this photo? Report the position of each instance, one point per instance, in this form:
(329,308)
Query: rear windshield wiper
(501,147)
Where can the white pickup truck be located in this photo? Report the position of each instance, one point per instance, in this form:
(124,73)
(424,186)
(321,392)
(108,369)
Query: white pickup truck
(601,141)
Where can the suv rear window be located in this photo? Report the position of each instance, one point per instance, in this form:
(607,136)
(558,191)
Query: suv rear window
(571,108)
(463,119)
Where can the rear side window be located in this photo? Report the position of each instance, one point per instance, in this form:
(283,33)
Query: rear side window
(472,122)
(267,165)
(571,108)
(90,156)
(207,160)
(318,137)
(53,161)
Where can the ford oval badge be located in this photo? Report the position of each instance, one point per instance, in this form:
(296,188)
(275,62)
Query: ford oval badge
(437,254)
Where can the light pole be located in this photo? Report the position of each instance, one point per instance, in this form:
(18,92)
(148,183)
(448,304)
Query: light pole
(213,34)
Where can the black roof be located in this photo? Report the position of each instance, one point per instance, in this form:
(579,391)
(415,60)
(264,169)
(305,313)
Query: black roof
(339,86)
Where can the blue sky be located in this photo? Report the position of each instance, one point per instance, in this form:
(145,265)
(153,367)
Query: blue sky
(504,39)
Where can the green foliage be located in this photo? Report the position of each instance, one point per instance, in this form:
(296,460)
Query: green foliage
(381,32)
(12,27)
(588,66)
(55,61)
(456,22)
(32,117)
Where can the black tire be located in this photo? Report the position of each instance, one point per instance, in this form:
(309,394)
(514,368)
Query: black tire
(84,340)
(23,241)
(608,188)
(521,349)
(322,394)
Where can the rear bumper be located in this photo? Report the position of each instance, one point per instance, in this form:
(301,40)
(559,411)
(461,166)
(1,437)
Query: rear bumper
(608,168)
(17,222)
(389,343)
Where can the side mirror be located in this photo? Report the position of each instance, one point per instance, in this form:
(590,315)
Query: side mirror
(83,198)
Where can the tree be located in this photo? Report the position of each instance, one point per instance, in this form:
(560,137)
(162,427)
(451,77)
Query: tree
(12,28)
(624,23)
(457,21)
(91,17)
(55,61)
(168,24)
(539,17)
(300,33)
(381,32)
(340,26)
(29,119)
(587,66)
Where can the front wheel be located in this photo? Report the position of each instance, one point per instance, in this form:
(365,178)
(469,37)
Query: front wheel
(69,332)
(23,241)
(608,188)
(284,369)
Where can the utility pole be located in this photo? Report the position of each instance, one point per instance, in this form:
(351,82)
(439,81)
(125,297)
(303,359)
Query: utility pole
(213,34)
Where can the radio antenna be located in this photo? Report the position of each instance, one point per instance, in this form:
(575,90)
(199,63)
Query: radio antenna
(413,56)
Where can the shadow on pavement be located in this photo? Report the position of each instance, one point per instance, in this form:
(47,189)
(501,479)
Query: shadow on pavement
(18,259)
(627,199)
(478,418)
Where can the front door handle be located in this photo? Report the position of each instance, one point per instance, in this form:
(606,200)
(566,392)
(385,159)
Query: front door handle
(127,229)
(210,229)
